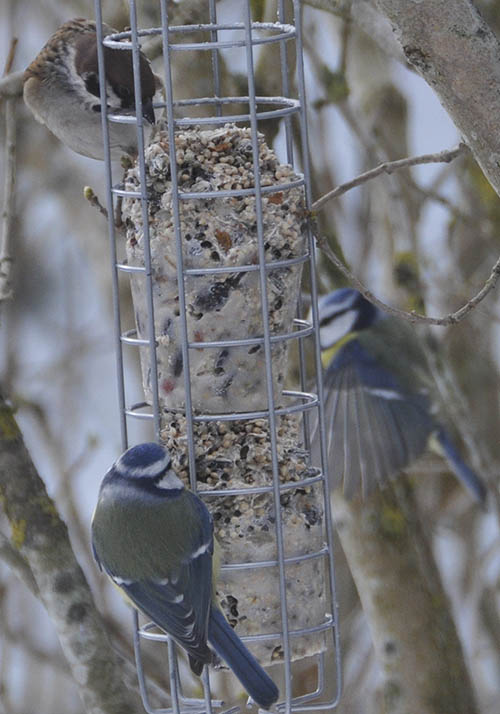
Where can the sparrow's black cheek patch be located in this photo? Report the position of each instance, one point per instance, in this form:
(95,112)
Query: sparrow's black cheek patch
(126,96)
(92,84)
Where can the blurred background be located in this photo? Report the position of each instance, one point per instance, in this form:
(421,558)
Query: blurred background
(424,238)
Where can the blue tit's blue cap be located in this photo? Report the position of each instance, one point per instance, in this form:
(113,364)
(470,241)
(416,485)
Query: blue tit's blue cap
(147,460)
(338,302)
(341,299)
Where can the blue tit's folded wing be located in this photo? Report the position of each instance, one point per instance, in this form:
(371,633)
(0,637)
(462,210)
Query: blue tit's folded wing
(180,605)
(374,428)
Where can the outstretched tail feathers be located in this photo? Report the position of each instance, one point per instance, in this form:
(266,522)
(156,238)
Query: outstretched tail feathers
(465,474)
(228,645)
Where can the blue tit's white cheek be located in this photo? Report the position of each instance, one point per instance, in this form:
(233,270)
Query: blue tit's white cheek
(337,328)
(170,482)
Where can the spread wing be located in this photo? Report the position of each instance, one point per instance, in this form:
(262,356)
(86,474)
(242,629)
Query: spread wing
(374,427)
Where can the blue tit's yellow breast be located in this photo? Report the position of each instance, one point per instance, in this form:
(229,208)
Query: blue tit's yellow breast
(328,354)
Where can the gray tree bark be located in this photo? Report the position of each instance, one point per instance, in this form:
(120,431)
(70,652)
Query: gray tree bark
(42,542)
(458,55)
(414,635)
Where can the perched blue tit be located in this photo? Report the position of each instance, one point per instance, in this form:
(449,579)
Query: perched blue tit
(378,409)
(155,540)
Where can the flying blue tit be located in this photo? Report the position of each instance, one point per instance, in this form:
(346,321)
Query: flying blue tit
(155,540)
(378,410)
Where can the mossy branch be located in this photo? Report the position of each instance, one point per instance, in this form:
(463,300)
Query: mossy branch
(40,537)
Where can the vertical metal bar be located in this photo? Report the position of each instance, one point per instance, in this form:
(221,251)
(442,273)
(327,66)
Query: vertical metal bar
(205,678)
(306,421)
(214,36)
(285,92)
(317,348)
(111,229)
(145,218)
(138,661)
(268,354)
(285,85)
(172,671)
(178,243)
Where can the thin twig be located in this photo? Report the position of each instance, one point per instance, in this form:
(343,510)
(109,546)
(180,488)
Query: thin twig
(11,86)
(33,650)
(89,194)
(388,167)
(8,212)
(10,57)
(451,319)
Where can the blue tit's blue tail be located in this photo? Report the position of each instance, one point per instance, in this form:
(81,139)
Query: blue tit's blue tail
(228,645)
(466,475)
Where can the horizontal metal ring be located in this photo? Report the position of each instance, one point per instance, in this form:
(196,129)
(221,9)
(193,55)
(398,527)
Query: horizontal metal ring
(272,265)
(310,401)
(130,337)
(283,32)
(274,563)
(258,490)
(144,632)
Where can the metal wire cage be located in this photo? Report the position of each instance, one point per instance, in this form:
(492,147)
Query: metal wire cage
(174,400)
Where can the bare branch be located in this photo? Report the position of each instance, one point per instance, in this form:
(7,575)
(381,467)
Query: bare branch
(89,194)
(8,213)
(456,52)
(392,567)
(42,540)
(367,19)
(10,57)
(451,319)
(11,86)
(11,556)
(388,167)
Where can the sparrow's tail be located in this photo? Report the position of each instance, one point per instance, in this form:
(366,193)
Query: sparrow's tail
(228,645)
(468,477)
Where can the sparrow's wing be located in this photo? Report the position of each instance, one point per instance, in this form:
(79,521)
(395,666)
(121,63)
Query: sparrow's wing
(374,427)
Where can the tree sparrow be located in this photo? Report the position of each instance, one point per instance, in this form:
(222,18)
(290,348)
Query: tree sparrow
(61,87)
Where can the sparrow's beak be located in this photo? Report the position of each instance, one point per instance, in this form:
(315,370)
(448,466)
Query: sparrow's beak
(148,111)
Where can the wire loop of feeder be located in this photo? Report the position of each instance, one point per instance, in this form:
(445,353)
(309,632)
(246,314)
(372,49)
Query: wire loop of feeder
(217,238)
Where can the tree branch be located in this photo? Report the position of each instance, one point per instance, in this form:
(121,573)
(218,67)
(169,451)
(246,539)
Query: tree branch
(11,556)
(8,213)
(408,612)
(388,167)
(42,540)
(457,54)
(451,319)
(11,86)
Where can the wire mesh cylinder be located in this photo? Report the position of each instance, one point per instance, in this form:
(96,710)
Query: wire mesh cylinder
(217,236)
